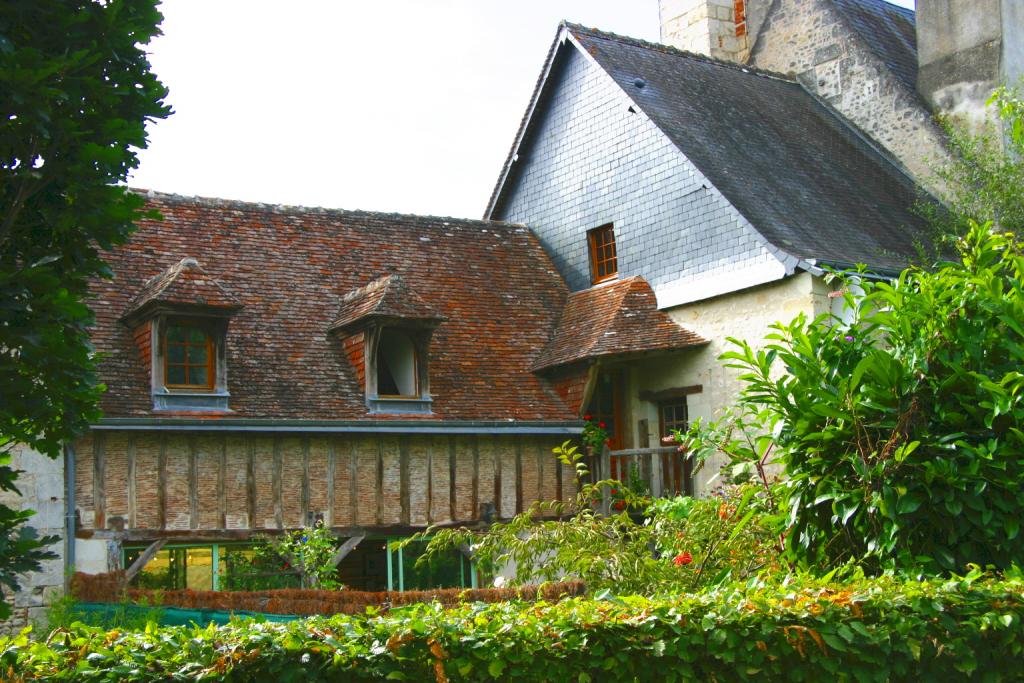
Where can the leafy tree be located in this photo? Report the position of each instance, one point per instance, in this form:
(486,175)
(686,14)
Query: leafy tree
(75,93)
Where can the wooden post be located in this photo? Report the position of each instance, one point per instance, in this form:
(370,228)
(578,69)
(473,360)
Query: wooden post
(143,559)
(346,547)
(656,487)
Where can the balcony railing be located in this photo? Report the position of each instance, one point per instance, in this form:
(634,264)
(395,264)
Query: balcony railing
(660,470)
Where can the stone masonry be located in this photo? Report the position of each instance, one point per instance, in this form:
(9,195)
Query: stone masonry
(810,40)
(41,483)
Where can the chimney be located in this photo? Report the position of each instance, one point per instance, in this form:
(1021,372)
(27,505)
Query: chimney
(717,28)
(965,49)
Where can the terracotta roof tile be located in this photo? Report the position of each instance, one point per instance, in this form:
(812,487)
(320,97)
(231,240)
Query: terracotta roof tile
(291,268)
(184,284)
(385,297)
(616,318)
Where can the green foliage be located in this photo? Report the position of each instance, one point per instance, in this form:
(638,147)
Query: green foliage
(75,93)
(595,435)
(900,433)
(879,630)
(302,557)
(985,180)
(625,552)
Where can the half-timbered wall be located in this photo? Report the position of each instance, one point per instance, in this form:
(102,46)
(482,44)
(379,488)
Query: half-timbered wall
(163,484)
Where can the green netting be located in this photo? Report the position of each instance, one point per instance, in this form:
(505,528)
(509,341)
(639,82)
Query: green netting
(98,612)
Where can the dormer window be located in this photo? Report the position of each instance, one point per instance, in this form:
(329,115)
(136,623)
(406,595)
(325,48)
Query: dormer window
(190,358)
(396,365)
(386,330)
(180,321)
(604,262)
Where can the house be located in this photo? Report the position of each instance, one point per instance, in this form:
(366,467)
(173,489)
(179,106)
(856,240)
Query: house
(268,367)
(765,144)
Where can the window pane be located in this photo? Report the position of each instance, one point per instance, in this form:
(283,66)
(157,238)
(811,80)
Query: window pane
(175,353)
(196,336)
(199,571)
(197,376)
(197,354)
(175,374)
(176,333)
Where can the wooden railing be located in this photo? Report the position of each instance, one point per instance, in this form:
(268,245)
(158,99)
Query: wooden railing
(661,470)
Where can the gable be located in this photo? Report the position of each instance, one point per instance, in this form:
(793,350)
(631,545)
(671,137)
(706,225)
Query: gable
(588,157)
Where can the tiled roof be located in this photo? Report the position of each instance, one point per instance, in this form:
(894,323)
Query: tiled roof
(889,31)
(616,318)
(290,269)
(183,284)
(805,178)
(386,297)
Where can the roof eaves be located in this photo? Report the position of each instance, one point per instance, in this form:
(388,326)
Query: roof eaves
(524,124)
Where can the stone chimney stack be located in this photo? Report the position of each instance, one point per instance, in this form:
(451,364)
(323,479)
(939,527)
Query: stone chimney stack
(717,28)
(965,49)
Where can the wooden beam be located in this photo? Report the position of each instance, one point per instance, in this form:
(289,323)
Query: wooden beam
(193,484)
(497,478)
(304,501)
(143,559)
(132,494)
(99,473)
(404,494)
(353,483)
(222,473)
(519,473)
(475,510)
(161,486)
(250,481)
(430,479)
(278,475)
(379,482)
(675,392)
(329,517)
(346,547)
(452,467)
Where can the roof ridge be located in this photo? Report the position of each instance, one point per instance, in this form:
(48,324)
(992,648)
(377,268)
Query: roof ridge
(219,202)
(668,49)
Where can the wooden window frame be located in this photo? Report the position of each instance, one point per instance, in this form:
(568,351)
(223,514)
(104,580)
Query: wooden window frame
(415,366)
(211,356)
(682,467)
(604,254)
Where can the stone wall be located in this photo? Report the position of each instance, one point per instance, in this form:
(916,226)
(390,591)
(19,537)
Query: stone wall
(595,159)
(42,486)
(810,40)
(143,485)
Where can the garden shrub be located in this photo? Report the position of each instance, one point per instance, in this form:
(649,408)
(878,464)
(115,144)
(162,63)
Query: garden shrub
(900,431)
(878,630)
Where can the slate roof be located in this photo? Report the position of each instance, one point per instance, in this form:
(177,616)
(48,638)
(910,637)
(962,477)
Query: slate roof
(386,297)
(291,268)
(184,284)
(807,180)
(889,31)
(614,318)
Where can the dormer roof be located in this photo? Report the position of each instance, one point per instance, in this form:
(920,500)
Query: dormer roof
(613,319)
(386,299)
(185,287)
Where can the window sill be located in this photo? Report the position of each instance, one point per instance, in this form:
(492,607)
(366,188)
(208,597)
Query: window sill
(169,399)
(406,406)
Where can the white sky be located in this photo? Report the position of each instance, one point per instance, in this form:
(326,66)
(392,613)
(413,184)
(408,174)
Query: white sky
(404,105)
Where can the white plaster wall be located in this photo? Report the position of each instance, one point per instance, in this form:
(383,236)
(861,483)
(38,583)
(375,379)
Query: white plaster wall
(42,487)
(745,315)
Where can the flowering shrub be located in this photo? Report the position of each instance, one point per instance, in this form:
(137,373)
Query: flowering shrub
(595,434)
(806,630)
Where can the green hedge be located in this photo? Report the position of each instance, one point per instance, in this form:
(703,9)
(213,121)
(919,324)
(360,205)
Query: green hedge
(877,630)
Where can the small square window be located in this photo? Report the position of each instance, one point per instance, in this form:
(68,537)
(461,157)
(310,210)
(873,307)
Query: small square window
(190,357)
(604,263)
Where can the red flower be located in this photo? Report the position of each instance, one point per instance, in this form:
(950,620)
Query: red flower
(619,505)
(587,417)
(614,491)
(608,443)
(602,425)
(682,558)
